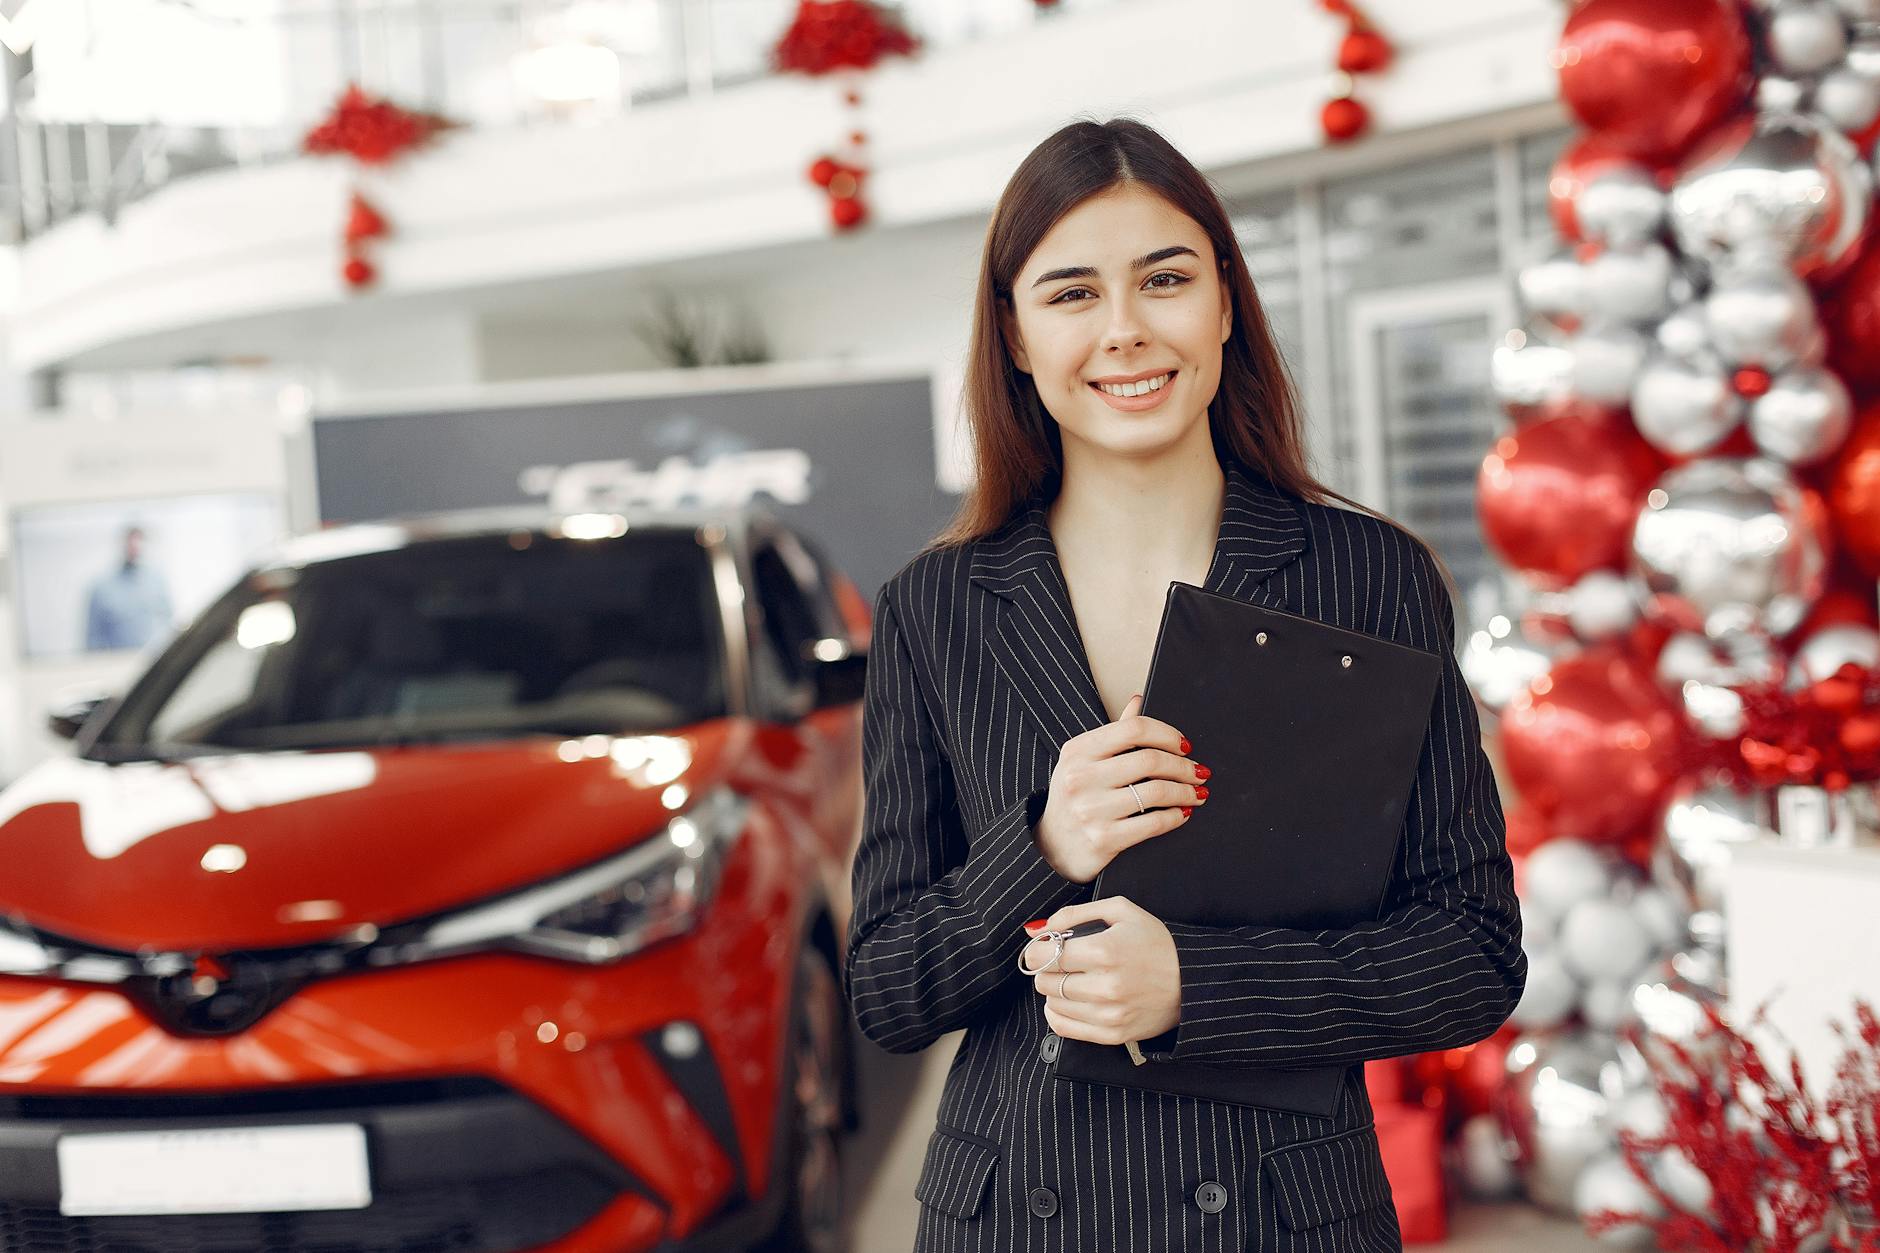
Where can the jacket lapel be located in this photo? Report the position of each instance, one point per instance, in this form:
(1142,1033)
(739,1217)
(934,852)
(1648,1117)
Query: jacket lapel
(1037,644)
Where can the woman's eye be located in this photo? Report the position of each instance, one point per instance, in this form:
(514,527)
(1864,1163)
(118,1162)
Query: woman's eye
(1179,278)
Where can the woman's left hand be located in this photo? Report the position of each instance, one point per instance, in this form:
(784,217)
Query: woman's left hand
(1125,982)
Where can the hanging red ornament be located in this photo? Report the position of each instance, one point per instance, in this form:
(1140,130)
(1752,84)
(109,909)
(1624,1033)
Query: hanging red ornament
(370,130)
(822,170)
(829,35)
(846,213)
(364,222)
(846,183)
(1364,51)
(1344,119)
(857,138)
(358,271)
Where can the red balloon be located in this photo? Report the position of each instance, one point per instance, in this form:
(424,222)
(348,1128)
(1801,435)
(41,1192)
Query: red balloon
(1582,161)
(1652,75)
(1850,313)
(1558,497)
(1854,493)
(1527,830)
(1593,745)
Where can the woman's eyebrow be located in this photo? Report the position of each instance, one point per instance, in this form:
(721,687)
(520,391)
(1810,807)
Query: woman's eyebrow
(1090,271)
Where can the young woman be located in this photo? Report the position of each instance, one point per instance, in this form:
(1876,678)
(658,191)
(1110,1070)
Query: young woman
(1133,424)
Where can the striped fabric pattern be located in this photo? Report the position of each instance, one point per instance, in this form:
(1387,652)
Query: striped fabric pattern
(977,676)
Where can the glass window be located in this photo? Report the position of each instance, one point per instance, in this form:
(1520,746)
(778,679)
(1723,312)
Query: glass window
(469,638)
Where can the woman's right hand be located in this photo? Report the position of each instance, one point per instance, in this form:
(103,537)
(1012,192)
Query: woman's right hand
(1090,814)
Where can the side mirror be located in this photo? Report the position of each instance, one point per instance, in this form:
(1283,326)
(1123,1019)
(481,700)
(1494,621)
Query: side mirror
(840,672)
(66,718)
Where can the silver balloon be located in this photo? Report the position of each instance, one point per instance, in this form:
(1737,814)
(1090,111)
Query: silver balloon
(1529,373)
(1849,99)
(1805,36)
(1630,284)
(1685,332)
(1608,1183)
(1622,206)
(1684,405)
(1730,544)
(1602,604)
(1555,1106)
(1550,994)
(1603,939)
(1760,315)
(1785,185)
(1705,822)
(1606,362)
(1668,1001)
(1555,289)
(1485,1160)
(1776,94)
(1563,872)
(1804,416)
(1863,53)
(1829,648)
(1716,712)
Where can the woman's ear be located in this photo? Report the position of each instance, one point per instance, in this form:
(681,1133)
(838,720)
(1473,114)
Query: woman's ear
(1014,342)
(1227,305)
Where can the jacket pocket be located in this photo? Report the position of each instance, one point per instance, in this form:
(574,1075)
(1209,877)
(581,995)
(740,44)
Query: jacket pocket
(954,1174)
(1321,1181)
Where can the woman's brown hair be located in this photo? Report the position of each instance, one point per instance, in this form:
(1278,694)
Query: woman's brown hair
(1017,449)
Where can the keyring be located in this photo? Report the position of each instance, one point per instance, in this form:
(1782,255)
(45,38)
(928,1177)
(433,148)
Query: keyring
(1057,952)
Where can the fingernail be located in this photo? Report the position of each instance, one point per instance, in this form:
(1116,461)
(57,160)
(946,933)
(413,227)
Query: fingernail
(1202,772)
(1187,809)
(1186,745)
(1036,924)
(1201,793)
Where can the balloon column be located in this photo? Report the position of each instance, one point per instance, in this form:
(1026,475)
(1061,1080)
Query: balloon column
(1687,497)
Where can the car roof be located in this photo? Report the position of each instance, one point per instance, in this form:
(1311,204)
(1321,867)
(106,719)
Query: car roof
(354,539)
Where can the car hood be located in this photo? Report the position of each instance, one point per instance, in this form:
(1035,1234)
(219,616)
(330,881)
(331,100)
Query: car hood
(258,850)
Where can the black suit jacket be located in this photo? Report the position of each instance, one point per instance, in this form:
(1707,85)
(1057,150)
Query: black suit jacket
(977,676)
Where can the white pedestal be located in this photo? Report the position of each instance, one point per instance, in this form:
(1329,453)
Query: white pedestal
(1804,935)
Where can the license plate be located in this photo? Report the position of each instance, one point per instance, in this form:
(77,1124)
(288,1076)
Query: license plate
(230,1170)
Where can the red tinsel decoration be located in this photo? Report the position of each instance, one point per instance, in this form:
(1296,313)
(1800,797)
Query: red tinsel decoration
(1826,734)
(369,130)
(1782,1169)
(829,35)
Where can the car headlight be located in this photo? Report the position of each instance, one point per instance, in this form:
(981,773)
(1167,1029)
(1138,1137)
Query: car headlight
(651,892)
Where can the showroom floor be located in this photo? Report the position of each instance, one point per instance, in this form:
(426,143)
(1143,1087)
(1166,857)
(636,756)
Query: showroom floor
(903,1093)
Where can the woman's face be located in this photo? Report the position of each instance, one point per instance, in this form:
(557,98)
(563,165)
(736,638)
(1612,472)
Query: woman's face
(1084,310)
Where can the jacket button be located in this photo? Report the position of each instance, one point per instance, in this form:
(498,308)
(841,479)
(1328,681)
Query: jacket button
(1048,1048)
(1211,1197)
(1043,1202)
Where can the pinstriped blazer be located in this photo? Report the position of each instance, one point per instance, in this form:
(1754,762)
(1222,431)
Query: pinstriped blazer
(977,676)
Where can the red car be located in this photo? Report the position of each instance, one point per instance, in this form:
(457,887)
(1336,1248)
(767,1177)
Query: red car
(473,883)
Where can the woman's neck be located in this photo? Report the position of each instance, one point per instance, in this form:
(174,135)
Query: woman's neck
(1146,516)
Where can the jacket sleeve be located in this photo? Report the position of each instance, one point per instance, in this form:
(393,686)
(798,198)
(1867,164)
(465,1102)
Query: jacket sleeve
(1440,968)
(939,909)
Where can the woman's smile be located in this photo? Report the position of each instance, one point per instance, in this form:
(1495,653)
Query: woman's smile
(1135,399)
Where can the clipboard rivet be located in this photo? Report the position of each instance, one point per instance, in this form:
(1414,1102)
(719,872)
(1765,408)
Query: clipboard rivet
(1345,661)
(1260,638)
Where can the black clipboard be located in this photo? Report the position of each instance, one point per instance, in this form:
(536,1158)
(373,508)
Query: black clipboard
(1313,732)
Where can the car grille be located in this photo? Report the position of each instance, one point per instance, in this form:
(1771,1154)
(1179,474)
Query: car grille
(519,1180)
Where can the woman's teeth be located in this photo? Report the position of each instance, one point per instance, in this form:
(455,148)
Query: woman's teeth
(1136,389)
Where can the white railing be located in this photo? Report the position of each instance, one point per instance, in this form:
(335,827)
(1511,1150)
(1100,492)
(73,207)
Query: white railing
(83,139)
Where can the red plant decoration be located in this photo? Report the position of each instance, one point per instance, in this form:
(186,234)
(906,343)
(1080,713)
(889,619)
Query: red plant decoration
(1787,1171)
(372,132)
(850,36)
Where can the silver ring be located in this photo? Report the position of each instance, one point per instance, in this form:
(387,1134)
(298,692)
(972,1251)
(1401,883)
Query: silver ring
(1061,982)
(1140,808)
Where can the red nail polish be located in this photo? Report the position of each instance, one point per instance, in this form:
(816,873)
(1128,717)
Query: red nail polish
(1202,772)
(1036,924)
(1201,793)
(1187,809)
(1185,744)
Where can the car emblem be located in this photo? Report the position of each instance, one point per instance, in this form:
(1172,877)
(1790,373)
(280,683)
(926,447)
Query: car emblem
(217,993)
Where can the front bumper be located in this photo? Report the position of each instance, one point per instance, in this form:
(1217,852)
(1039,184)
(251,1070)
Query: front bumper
(511,1103)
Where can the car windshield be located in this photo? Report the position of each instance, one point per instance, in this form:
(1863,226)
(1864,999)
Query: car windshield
(467,638)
